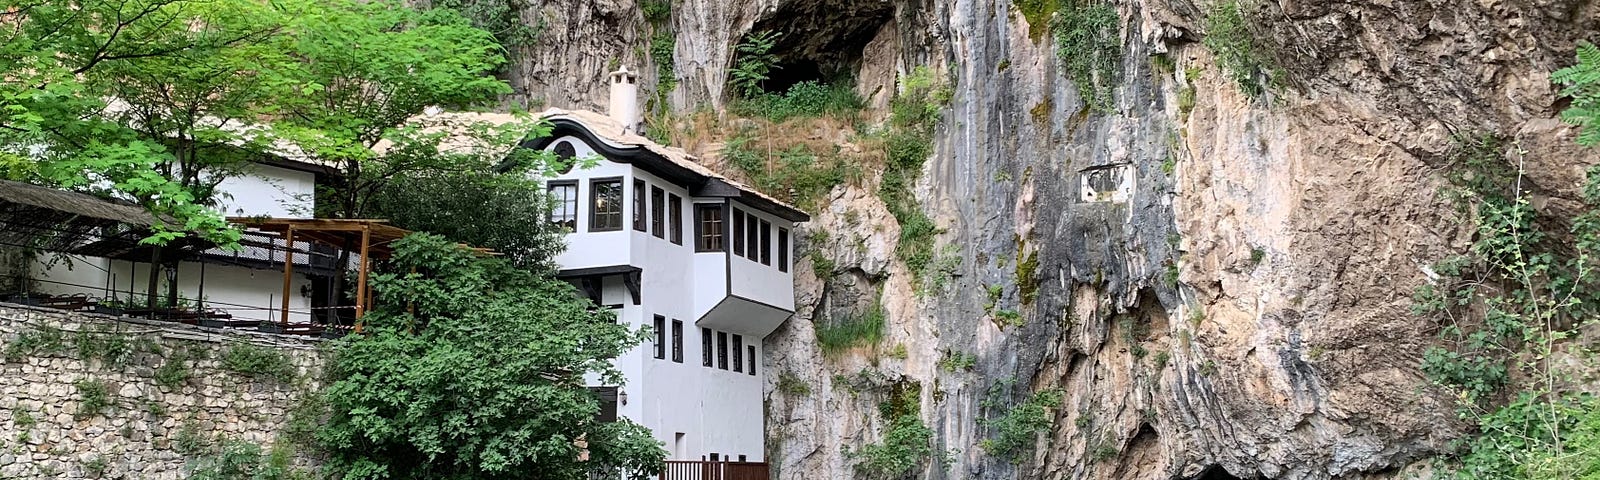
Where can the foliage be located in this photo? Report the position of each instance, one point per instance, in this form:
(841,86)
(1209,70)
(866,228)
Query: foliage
(805,99)
(821,265)
(1038,14)
(112,348)
(857,331)
(656,11)
(1536,438)
(663,45)
(479,185)
(1027,276)
(258,362)
(239,460)
(1016,430)
(174,372)
(95,467)
(503,18)
(957,361)
(1581,82)
(473,368)
(796,175)
(906,443)
(1088,45)
(752,63)
(1008,318)
(94,396)
(793,385)
(189,439)
(1240,55)
(41,340)
(914,113)
(994,293)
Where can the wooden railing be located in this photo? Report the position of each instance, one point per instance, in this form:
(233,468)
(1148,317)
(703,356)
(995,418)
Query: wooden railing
(714,470)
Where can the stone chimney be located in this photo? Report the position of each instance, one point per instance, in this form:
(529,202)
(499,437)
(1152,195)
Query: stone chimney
(624,106)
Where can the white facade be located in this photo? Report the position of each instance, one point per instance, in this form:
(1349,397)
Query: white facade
(703,298)
(245,293)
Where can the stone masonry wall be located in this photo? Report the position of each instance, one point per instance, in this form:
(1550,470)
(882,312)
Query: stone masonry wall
(170,392)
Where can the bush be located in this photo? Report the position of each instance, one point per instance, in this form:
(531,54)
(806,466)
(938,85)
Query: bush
(42,340)
(805,99)
(1090,49)
(1239,54)
(860,331)
(258,362)
(793,385)
(1016,431)
(94,396)
(796,175)
(907,444)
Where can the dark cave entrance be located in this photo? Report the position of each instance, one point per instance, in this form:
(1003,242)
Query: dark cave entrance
(821,40)
(1215,472)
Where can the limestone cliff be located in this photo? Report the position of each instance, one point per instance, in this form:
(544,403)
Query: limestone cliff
(1222,279)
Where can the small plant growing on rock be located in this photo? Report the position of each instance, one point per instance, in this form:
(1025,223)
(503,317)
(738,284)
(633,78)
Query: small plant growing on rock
(42,340)
(1008,318)
(792,385)
(258,362)
(957,361)
(1016,431)
(94,396)
(95,467)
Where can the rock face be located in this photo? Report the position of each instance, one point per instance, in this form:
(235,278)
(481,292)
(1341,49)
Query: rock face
(1222,281)
(145,427)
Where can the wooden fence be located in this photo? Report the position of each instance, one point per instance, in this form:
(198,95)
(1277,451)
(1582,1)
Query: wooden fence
(714,470)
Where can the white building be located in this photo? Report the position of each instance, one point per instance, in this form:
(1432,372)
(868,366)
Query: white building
(702,260)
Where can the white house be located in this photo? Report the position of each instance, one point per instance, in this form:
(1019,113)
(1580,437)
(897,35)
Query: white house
(704,261)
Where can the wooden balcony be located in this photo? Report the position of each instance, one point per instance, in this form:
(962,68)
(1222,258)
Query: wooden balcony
(714,470)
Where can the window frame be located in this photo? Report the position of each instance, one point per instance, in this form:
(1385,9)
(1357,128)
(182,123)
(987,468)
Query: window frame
(705,348)
(658,210)
(677,340)
(660,327)
(783,250)
(737,231)
(675,218)
(738,353)
(704,243)
(722,350)
(752,236)
(751,355)
(595,225)
(577,203)
(639,219)
(766,243)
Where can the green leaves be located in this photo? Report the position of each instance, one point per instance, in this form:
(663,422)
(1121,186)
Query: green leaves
(754,61)
(1582,83)
(474,369)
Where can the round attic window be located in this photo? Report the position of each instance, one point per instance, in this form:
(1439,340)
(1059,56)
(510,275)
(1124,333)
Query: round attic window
(566,156)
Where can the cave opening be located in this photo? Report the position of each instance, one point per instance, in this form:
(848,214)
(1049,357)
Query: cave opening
(1215,472)
(820,40)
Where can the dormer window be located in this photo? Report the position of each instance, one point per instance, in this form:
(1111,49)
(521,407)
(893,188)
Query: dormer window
(566,157)
(605,212)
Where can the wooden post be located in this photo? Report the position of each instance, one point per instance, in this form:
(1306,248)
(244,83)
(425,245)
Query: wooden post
(361,277)
(288,275)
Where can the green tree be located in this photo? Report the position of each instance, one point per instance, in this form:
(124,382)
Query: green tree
(474,369)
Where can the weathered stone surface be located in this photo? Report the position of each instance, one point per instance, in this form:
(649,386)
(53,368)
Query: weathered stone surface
(135,435)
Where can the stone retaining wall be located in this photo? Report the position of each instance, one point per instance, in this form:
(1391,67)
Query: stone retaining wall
(171,393)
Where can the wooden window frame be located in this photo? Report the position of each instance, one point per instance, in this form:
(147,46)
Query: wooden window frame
(738,353)
(658,212)
(639,219)
(595,225)
(752,236)
(766,243)
(577,203)
(705,348)
(677,340)
(675,220)
(783,250)
(660,327)
(737,232)
(710,242)
(722,350)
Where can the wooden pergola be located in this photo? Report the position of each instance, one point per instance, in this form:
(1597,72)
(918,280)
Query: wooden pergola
(373,238)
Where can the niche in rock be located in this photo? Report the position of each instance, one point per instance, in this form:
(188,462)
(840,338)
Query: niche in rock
(820,40)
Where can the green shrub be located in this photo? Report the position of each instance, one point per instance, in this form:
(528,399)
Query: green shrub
(94,396)
(1016,431)
(662,47)
(753,63)
(174,373)
(957,361)
(907,445)
(95,467)
(1037,13)
(656,11)
(40,340)
(1242,58)
(805,99)
(111,347)
(1090,50)
(796,174)
(1027,276)
(1581,82)
(239,460)
(792,385)
(188,439)
(1008,318)
(258,362)
(858,331)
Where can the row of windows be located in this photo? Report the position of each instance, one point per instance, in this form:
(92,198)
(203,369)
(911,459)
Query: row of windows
(750,236)
(743,356)
(605,208)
